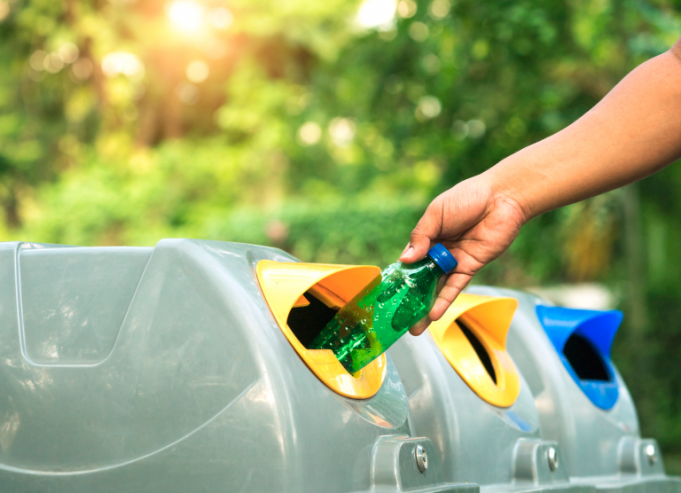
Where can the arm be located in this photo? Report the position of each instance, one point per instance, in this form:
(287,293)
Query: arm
(632,133)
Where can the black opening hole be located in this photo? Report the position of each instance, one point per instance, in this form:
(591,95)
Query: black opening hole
(479,350)
(306,322)
(585,360)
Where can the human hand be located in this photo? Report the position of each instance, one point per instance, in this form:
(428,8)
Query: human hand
(476,224)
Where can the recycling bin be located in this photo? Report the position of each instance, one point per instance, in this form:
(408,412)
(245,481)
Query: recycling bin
(185,367)
(466,394)
(165,369)
(582,401)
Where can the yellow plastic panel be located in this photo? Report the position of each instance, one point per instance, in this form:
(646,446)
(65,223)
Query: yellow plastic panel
(489,319)
(283,285)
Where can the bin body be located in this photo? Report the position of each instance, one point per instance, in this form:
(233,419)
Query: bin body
(476,439)
(162,369)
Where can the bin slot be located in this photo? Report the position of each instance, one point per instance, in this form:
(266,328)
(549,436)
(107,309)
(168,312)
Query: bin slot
(307,322)
(472,337)
(585,360)
(583,340)
(479,349)
(303,298)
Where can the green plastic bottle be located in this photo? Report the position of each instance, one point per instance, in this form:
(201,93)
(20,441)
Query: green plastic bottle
(381,313)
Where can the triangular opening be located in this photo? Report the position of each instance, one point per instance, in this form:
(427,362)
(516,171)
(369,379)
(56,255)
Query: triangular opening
(479,350)
(585,359)
(306,322)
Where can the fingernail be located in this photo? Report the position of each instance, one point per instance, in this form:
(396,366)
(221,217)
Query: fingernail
(407,249)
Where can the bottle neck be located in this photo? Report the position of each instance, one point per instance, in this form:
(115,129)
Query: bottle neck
(436,268)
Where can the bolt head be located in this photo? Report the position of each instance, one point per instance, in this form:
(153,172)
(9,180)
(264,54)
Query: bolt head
(651,453)
(421,458)
(552,458)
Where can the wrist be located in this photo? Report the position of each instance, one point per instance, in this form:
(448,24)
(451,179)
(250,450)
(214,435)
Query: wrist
(504,189)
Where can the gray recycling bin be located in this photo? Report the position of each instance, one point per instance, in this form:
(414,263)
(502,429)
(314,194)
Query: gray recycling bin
(184,367)
(593,417)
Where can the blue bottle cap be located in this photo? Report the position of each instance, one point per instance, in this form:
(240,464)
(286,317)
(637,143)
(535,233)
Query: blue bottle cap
(443,258)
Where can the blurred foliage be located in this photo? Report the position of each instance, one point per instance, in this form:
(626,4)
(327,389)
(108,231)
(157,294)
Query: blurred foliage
(287,123)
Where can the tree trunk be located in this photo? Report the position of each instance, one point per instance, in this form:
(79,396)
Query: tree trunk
(635,256)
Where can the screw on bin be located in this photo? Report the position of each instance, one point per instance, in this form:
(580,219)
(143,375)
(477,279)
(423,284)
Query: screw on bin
(651,453)
(421,458)
(552,456)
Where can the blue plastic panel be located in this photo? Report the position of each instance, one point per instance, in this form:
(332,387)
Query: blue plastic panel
(599,329)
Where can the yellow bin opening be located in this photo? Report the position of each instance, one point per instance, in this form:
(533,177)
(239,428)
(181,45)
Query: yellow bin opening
(488,319)
(283,284)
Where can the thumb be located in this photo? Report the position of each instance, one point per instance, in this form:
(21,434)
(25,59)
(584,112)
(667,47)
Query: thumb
(423,235)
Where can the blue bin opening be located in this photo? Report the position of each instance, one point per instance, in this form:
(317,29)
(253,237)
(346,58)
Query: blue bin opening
(583,340)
